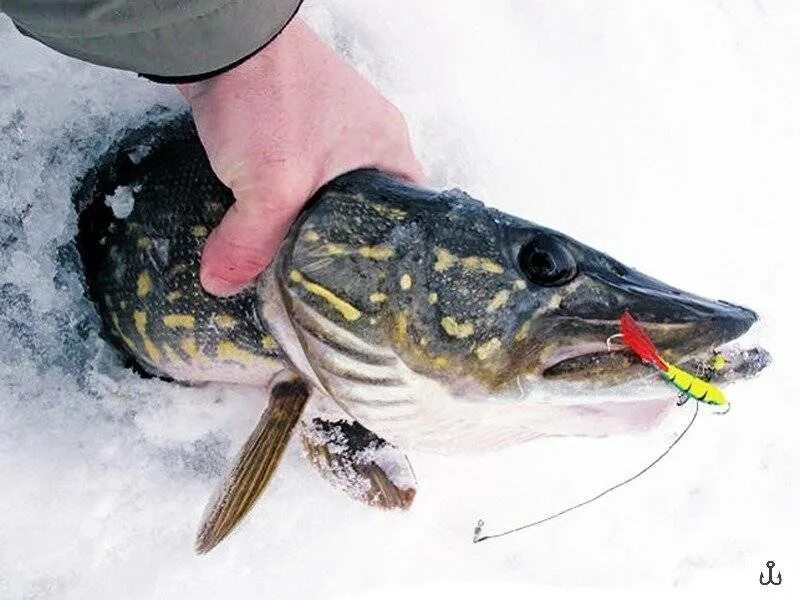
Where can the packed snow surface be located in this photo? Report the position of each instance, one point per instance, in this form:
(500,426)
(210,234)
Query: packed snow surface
(664,133)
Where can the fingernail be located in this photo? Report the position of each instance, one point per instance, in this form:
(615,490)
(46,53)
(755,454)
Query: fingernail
(219,286)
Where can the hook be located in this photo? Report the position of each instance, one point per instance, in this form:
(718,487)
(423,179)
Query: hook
(611,337)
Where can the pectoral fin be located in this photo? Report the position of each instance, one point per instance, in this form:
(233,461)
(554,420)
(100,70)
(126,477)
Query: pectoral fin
(255,464)
(358,462)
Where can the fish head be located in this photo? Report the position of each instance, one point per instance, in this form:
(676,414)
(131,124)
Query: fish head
(479,305)
(580,293)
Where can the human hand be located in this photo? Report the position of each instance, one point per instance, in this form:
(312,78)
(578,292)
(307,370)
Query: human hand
(278,127)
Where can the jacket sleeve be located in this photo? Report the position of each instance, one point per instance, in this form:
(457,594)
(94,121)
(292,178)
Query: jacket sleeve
(163,38)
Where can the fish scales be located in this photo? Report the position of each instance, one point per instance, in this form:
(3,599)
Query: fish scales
(142,271)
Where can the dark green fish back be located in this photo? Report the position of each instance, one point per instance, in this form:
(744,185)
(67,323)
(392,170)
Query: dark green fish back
(142,269)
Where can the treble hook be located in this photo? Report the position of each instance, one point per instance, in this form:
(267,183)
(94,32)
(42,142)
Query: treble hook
(724,412)
(611,337)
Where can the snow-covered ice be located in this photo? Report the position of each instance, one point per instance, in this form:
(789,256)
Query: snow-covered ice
(666,134)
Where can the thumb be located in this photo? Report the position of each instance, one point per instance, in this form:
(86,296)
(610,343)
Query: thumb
(242,245)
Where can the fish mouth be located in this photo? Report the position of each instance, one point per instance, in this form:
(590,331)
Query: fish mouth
(583,326)
(708,350)
(589,361)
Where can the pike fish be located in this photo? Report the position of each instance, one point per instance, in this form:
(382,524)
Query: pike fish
(394,317)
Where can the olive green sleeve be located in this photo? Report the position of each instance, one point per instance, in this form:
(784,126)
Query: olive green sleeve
(167,38)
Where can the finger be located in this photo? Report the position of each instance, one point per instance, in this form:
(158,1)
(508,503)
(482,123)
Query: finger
(241,247)
(409,169)
(403,163)
(414,172)
(405,166)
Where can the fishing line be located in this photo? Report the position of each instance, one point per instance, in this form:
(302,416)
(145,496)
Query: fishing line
(479,527)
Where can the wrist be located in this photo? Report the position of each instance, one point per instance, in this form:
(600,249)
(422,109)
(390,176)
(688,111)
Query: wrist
(292,52)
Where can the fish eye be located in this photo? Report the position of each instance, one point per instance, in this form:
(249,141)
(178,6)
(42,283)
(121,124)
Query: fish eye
(546,262)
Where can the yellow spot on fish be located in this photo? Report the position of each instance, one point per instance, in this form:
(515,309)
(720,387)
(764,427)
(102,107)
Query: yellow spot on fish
(224,321)
(485,350)
(479,263)
(311,236)
(440,361)
(330,250)
(179,321)
(140,320)
(444,259)
(229,351)
(499,301)
(172,356)
(719,362)
(173,296)
(177,269)
(378,297)
(144,243)
(405,281)
(555,301)
(199,231)
(395,214)
(454,329)
(376,252)
(128,341)
(519,284)
(523,331)
(189,346)
(400,327)
(268,343)
(433,298)
(144,285)
(347,310)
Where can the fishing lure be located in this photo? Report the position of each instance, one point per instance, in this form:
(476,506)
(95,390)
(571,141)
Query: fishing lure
(691,385)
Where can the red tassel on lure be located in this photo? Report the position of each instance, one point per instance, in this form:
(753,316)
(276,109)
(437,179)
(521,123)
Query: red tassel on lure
(638,341)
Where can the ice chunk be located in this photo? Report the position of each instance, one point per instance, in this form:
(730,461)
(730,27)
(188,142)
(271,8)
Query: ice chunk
(121,202)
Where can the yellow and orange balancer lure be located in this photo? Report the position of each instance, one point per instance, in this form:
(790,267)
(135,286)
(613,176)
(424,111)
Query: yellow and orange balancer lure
(691,385)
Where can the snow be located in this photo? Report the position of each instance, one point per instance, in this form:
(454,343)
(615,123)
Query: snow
(666,134)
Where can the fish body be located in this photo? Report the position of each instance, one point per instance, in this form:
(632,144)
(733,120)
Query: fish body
(426,318)
(142,271)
